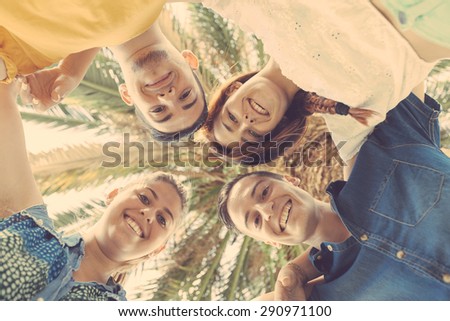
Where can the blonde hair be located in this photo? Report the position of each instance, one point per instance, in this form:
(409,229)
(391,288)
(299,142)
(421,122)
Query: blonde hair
(120,275)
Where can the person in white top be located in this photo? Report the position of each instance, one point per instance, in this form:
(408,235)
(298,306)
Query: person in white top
(353,53)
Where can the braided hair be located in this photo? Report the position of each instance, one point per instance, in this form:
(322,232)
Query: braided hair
(317,104)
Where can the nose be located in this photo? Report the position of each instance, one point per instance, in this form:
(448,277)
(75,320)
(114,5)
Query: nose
(148,215)
(168,91)
(249,119)
(266,210)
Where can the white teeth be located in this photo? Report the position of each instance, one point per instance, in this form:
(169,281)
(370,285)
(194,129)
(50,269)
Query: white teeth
(134,226)
(285,215)
(259,109)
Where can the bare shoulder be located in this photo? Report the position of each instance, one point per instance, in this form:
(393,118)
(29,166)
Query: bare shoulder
(18,189)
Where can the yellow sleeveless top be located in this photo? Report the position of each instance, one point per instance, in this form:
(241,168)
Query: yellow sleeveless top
(35,34)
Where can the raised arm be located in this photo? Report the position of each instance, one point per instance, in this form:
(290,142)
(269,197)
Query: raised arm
(45,88)
(18,189)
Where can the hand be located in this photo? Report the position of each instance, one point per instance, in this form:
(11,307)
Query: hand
(291,284)
(46,88)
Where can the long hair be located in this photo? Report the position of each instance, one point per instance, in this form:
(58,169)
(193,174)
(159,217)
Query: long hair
(286,135)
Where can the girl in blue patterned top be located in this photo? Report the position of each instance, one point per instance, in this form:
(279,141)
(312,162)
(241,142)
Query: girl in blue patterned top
(38,263)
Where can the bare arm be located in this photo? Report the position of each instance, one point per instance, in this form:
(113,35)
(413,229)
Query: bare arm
(18,189)
(78,63)
(49,86)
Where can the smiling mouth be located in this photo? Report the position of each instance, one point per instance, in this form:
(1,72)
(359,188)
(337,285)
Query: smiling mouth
(257,107)
(285,213)
(134,226)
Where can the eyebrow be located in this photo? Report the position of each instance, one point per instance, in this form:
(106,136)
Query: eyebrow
(168,212)
(162,120)
(247,214)
(188,106)
(156,197)
(255,187)
(226,126)
(153,193)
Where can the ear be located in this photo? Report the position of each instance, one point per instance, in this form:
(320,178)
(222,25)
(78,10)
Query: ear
(293,180)
(276,244)
(232,88)
(110,197)
(123,90)
(190,58)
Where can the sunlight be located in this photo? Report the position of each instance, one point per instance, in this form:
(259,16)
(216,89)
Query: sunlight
(41,137)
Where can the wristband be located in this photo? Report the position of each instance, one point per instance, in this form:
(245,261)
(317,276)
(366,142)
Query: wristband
(341,109)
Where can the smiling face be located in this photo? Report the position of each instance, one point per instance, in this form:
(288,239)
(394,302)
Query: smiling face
(252,110)
(272,210)
(161,84)
(139,220)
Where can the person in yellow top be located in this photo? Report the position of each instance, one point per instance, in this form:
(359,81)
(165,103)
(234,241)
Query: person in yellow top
(159,80)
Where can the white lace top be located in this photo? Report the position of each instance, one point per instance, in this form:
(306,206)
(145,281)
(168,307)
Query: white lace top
(344,50)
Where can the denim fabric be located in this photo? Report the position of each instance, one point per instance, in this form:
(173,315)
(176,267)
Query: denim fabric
(36,262)
(429,18)
(396,204)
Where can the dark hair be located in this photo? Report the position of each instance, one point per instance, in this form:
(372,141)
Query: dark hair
(224,194)
(288,132)
(168,137)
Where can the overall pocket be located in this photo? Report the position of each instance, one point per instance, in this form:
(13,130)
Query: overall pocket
(409,193)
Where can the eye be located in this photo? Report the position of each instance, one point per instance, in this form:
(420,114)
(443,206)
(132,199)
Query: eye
(257,221)
(265,192)
(232,118)
(185,94)
(157,110)
(144,199)
(161,220)
(254,134)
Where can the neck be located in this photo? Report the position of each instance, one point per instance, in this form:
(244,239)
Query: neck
(95,265)
(273,71)
(330,227)
(151,37)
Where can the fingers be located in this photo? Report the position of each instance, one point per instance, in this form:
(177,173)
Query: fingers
(30,92)
(59,92)
(24,91)
(286,285)
(56,96)
(280,293)
(288,279)
(27,97)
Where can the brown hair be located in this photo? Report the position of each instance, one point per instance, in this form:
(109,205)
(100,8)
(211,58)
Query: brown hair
(288,132)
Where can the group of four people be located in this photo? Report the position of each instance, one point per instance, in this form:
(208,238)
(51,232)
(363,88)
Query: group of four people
(383,234)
